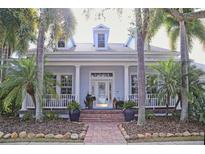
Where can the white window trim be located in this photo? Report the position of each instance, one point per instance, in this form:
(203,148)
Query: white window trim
(112,79)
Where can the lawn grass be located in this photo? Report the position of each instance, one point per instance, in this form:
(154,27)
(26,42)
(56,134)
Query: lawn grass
(40,140)
(168,139)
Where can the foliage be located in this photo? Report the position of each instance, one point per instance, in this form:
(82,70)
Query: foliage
(73,106)
(129,104)
(196,94)
(167,79)
(60,23)
(27,116)
(119,104)
(18,28)
(149,114)
(194,28)
(20,80)
(50,115)
(170,83)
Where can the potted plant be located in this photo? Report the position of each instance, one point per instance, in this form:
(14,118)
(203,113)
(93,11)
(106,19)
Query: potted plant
(74,111)
(89,101)
(128,110)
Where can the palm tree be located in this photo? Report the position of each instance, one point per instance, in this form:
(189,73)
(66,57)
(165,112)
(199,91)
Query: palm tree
(21,79)
(62,24)
(186,24)
(17,28)
(167,80)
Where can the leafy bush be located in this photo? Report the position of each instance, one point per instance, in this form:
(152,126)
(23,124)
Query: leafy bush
(129,105)
(197,109)
(27,116)
(119,104)
(73,106)
(50,115)
(149,115)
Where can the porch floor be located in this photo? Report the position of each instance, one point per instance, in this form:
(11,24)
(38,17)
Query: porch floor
(104,133)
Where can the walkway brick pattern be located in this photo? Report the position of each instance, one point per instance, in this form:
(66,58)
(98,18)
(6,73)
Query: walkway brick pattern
(104,133)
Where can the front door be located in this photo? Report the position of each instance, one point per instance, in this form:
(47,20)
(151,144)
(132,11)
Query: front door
(102,88)
(103,94)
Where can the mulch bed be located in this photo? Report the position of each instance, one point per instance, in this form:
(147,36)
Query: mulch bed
(162,124)
(59,126)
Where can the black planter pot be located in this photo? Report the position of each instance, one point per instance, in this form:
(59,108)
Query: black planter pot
(129,114)
(74,115)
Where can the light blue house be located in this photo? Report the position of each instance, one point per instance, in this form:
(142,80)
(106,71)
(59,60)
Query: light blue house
(105,70)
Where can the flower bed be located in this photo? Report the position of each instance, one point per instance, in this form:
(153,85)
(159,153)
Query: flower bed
(161,127)
(14,128)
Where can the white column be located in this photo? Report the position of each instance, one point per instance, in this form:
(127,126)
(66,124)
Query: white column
(77,83)
(126,82)
(24,104)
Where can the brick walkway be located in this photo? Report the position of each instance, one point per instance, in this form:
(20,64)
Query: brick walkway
(104,133)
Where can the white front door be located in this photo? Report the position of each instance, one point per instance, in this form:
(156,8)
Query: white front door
(103,94)
(102,88)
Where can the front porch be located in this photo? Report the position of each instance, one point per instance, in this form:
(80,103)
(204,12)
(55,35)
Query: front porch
(61,101)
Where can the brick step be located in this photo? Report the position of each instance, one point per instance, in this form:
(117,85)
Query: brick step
(101,111)
(101,120)
(101,115)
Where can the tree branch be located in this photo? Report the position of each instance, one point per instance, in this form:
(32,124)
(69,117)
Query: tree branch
(175,13)
(194,15)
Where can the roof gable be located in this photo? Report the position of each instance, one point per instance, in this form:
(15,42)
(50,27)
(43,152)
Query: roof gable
(101,26)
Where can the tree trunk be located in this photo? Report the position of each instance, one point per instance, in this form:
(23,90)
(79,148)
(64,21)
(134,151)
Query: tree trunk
(167,105)
(184,72)
(140,69)
(40,65)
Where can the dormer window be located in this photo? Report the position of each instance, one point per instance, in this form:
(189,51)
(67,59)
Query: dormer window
(61,44)
(101,40)
(100,37)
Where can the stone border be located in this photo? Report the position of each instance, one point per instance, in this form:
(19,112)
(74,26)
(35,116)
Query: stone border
(31,135)
(157,135)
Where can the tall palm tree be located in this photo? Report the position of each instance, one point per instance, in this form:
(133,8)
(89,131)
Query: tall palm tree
(186,24)
(17,28)
(60,22)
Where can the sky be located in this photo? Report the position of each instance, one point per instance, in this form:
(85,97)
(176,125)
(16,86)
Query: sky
(119,30)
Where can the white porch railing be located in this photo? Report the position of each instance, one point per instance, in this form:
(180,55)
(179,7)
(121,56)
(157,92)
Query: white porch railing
(54,102)
(152,101)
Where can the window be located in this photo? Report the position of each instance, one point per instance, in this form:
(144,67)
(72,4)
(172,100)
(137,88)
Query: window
(61,44)
(101,40)
(51,88)
(134,86)
(66,84)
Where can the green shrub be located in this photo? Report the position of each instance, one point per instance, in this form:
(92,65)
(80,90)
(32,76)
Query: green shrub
(119,104)
(27,116)
(50,115)
(197,109)
(149,115)
(129,105)
(73,106)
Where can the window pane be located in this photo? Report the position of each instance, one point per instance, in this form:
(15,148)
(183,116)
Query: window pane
(101,40)
(134,88)
(66,84)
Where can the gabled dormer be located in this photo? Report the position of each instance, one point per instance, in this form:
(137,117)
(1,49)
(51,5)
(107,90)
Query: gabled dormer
(100,37)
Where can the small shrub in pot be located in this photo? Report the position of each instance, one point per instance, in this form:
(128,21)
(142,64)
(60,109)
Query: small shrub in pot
(74,111)
(128,110)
